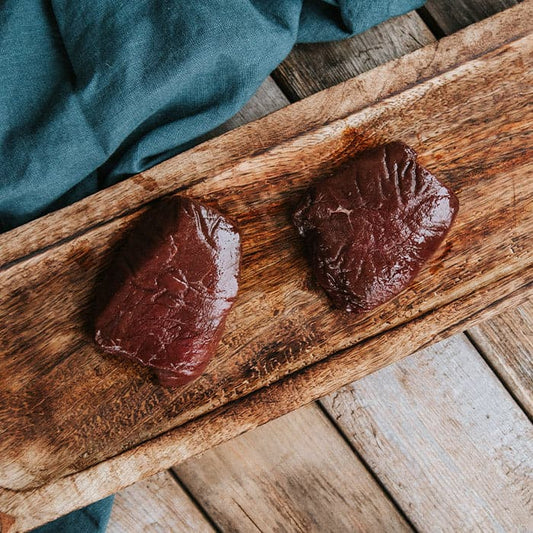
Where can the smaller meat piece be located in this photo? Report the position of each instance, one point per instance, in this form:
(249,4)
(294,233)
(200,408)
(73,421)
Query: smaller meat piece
(170,290)
(371,227)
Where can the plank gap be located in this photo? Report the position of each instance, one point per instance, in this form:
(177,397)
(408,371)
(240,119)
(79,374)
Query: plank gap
(444,437)
(310,68)
(497,373)
(431,23)
(295,474)
(454,16)
(285,87)
(203,511)
(155,504)
(507,342)
(369,469)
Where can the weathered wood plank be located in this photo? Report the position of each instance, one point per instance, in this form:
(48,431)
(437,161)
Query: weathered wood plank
(453,15)
(310,68)
(294,474)
(507,343)
(156,504)
(445,438)
(460,303)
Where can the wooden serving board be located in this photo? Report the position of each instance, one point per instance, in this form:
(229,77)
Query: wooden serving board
(76,424)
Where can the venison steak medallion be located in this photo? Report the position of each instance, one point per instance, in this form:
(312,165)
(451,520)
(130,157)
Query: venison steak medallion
(170,290)
(370,227)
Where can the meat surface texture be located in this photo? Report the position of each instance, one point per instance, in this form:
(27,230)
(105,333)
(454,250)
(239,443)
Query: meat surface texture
(370,227)
(170,289)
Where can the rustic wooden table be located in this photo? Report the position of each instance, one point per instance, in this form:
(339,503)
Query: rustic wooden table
(438,441)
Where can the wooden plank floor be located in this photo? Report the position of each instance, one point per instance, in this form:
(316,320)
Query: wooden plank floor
(440,441)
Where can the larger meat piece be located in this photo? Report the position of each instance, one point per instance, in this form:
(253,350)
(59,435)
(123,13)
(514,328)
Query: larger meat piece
(371,227)
(170,289)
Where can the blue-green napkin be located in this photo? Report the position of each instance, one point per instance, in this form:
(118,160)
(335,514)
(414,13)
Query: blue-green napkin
(93,91)
(91,519)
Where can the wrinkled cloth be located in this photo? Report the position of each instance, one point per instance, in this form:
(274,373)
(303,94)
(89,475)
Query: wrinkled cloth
(93,91)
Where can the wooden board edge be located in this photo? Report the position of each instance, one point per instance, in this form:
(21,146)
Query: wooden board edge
(435,81)
(34,507)
(224,152)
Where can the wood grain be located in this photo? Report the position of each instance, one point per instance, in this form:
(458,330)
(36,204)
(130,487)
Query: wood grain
(156,505)
(310,68)
(30,508)
(294,474)
(469,471)
(283,361)
(282,322)
(507,343)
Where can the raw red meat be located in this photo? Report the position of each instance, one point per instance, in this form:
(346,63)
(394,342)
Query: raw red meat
(371,227)
(170,290)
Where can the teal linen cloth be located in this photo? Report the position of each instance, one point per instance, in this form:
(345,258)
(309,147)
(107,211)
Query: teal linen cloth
(91,519)
(93,91)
